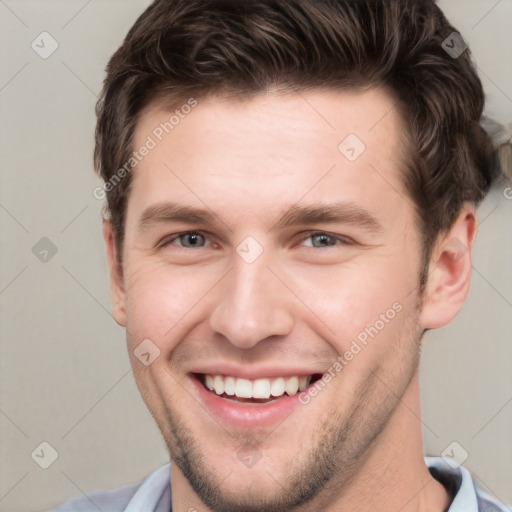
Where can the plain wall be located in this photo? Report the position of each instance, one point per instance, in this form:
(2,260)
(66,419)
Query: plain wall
(65,373)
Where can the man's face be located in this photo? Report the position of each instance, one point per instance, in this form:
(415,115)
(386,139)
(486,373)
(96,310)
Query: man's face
(253,293)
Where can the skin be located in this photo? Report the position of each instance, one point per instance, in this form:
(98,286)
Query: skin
(358,444)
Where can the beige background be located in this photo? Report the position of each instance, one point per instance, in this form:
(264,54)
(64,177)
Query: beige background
(65,374)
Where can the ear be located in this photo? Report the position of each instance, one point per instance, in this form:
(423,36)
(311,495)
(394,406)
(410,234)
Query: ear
(117,292)
(449,272)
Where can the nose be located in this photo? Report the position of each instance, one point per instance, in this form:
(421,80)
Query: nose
(254,304)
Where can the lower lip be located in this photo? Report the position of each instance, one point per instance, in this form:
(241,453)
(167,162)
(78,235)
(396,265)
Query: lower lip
(246,414)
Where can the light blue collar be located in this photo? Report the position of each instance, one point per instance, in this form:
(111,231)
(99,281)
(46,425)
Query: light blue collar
(150,491)
(465,499)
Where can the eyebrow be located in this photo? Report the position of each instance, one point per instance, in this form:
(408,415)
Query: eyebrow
(341,212)
(162,213)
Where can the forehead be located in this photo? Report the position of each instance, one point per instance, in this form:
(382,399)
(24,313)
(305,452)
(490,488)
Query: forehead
(271,149)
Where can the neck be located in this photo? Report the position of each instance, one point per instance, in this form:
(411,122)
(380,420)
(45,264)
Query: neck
(393,476)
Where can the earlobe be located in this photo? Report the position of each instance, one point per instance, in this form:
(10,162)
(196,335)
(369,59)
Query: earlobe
(117,291)
(450,272)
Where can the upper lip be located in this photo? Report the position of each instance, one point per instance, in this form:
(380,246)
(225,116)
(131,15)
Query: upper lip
(256,372)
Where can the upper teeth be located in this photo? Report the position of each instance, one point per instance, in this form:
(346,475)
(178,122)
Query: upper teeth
(259,388)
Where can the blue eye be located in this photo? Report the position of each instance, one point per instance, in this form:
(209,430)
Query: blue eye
(194,239)
(189,240)
(325,240)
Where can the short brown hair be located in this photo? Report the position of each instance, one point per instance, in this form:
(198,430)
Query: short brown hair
(184,48)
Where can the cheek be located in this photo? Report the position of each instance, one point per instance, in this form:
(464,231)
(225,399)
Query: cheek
(165,302)
(157,299)
(352,297)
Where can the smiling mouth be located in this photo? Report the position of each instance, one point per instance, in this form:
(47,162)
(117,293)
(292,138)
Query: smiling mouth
(263,390)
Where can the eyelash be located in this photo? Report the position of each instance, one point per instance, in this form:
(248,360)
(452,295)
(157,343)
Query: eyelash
(343,240)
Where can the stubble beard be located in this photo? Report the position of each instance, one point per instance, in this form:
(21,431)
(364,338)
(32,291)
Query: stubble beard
(335,451)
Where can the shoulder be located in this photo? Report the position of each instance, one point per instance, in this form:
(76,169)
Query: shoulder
(151,495)
(486,503)
(115,500)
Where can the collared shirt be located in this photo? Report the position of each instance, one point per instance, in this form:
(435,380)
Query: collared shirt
(154,493)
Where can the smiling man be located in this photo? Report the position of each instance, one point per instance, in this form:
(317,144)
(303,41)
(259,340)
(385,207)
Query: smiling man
(291,191)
